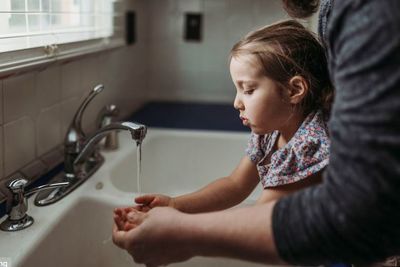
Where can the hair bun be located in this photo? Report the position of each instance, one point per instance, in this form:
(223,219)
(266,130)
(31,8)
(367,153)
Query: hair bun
(301,8)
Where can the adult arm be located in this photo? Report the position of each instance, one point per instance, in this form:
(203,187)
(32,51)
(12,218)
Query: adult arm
(354,215)
(165,235)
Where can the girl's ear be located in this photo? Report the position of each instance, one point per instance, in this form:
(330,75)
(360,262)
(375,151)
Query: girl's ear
(298,89)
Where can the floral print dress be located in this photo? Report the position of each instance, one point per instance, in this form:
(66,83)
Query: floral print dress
(306,153)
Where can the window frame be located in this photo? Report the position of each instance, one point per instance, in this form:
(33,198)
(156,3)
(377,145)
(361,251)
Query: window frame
(21,59)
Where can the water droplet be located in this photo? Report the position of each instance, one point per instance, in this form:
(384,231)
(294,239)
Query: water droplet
(105,241)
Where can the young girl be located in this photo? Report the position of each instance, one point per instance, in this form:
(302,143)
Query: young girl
(283,93)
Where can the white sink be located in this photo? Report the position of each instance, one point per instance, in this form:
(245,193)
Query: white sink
(176,162)
(76,231)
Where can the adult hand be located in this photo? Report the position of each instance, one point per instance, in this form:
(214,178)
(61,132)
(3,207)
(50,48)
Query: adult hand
(158,238)
(165,235)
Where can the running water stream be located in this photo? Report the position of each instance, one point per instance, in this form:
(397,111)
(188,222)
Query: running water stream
(139,166)
(139,189)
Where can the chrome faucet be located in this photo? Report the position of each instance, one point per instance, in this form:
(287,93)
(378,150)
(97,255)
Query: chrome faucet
(17,218)
(75,135)
(138,133)
(81,156)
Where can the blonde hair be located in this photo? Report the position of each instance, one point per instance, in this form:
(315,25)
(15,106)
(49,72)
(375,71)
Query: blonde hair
(287,49)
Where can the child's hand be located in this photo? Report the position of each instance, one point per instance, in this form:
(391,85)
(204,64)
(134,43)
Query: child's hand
(148,202)
(121,218)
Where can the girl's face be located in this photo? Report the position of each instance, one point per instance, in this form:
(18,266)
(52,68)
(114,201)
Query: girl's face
(259,99)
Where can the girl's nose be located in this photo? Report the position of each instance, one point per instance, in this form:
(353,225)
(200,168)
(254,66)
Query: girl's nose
(237,103)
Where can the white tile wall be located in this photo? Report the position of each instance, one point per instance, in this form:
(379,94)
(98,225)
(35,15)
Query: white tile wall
(190,5)
(1,102)
(48,129)
(19,144)
(90,72)
(48,86)
(314,23)
(1,132)
(70,80)
(1,152)
(184,71)
(19,97)
(267,12)
(241,19)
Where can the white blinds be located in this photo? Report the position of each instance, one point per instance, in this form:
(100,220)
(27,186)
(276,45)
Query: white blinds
(37,23)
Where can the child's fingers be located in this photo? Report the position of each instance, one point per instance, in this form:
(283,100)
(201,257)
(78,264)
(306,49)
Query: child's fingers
(129,226)
(127,218)
(145,208)
(145,199)
(136,217)
(157,201)
(131,209)
(118,211)
(124,210)
(119,222)
(138,207)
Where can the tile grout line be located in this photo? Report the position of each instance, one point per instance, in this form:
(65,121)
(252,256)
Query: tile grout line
(2,165)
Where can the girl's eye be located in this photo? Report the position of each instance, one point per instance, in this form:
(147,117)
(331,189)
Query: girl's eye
(248,91)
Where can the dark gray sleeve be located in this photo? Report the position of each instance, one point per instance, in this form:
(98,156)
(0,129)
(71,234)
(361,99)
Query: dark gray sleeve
(354,215)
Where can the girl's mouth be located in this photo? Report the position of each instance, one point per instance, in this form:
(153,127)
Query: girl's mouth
(245,121)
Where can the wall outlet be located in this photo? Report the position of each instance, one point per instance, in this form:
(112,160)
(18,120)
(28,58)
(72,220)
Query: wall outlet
(193,27)
(130,27)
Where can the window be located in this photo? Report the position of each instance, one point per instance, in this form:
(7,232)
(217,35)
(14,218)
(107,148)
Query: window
(50,25)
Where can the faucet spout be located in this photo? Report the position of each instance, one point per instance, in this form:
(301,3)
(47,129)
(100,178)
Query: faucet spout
(138,132)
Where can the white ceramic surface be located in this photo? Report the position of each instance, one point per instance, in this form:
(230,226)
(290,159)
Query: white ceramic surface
(76,231)
(176,162)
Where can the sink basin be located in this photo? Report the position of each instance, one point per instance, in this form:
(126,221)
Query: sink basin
(177,162)
(76,231)
(83,238)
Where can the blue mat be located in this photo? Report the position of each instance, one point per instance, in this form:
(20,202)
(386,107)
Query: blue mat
(190,116)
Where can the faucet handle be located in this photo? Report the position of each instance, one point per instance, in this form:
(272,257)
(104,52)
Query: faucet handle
(106,114)
(17,218)
(75,134)
(17,185)
(77,120)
